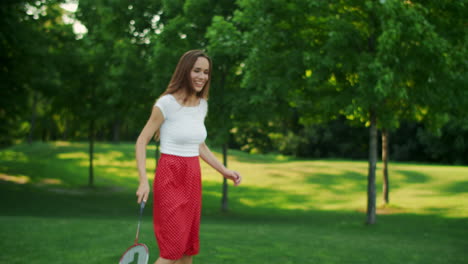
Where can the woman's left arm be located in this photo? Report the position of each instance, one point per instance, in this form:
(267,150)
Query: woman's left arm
(209,157)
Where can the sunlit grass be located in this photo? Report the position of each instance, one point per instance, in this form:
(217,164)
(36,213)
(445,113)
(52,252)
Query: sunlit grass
(18,179)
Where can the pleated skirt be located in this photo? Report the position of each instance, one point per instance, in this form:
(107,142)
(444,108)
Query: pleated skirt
(177,206)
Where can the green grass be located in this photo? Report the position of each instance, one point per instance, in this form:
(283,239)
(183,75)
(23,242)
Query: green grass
(286,210)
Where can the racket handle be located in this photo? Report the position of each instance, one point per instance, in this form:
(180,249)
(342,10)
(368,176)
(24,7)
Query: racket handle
(142,206)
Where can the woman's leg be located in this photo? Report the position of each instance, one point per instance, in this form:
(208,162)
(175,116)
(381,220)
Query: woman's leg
(184,260)
(166,261)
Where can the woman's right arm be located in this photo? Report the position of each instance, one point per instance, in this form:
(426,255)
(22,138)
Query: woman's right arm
(152,125)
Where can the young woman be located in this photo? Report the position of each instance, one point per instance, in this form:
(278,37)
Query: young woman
(178,116)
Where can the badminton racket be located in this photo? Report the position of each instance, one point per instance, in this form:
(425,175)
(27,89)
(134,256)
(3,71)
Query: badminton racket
(137,253)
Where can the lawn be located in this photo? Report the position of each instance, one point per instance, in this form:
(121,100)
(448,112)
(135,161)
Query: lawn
(286,211)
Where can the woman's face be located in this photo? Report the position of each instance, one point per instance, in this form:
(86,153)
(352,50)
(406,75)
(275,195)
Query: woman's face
(200,74)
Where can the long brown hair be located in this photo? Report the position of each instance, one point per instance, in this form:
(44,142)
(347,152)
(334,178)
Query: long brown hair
(181,76)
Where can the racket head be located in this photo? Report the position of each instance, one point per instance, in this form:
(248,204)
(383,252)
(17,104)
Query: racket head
(138,252)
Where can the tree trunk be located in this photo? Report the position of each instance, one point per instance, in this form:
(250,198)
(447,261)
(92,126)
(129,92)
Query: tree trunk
(157,153)
(371,193)
(91,152)
(386,186)
(224,200)
(33,117)
(45,130)
(116,131)
(65,130)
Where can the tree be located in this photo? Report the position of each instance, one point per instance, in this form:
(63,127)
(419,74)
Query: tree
(399,57)
(225,51)
(371,61)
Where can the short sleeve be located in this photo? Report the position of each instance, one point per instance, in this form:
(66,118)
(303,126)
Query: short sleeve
(162,104)
(204,107)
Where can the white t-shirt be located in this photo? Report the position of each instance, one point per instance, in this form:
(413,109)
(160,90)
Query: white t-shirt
(183,129)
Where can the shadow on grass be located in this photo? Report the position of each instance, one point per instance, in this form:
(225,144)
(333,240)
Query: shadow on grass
(457,187)
(413,176)
(80,202)
(335,182)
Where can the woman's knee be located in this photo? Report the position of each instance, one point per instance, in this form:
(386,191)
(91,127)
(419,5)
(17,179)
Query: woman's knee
(166,261)
(185,260)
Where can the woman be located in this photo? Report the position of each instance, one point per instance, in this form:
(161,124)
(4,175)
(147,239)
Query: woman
(178,116)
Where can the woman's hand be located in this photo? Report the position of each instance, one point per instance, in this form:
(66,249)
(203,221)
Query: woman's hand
(208,157)
(143,192)
(234,176)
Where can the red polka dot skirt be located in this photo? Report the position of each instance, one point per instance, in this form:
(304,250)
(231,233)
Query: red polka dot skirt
(177,206)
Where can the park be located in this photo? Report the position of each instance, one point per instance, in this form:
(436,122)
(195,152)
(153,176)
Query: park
(346,119)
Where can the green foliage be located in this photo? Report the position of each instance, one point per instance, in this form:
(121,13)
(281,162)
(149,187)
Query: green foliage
(33,39)
(273,58)
(280,68)
(226,96)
